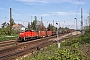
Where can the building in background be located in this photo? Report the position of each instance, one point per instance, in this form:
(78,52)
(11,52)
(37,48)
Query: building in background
(18,27)
(40,26)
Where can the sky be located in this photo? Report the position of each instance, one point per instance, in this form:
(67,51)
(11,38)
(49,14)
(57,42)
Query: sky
(61,11)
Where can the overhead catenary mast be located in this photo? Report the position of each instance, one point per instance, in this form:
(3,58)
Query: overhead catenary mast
(89,19)
(10,21)
(41,23)
(31,20)
(53,26)
(81,22)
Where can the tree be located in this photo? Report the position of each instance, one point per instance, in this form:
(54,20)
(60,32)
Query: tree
(50,27)
(87,27)
(5,28)
(28,25)
(4,25)
(12,22)
(33,25)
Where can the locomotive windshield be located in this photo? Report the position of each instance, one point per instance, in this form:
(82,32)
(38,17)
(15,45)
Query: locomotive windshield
(32,30)
(29,30)
(26,30)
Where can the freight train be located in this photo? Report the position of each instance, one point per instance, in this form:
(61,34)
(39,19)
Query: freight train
(29,34)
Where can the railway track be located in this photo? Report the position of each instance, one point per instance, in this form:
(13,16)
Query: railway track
(7,53)
(26,47)
(6,43)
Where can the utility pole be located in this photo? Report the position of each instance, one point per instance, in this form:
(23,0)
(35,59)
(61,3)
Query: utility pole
(41,19)
(53,22)
(10,21)
(59,24)
(53,26)
(81,22)
(31,20)
(89,19)
(41,23)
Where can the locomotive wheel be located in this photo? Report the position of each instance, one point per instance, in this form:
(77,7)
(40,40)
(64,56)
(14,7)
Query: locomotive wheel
(25,39)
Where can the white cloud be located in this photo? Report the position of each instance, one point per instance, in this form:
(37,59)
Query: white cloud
(4,9)
(40,15)
(44,15)
(42,1)
(53,1)
(78,3)
(1,8)
(61,13)
(54,14)
(74,1)
(31,14)
(65,13)
(16,9)
(15,14)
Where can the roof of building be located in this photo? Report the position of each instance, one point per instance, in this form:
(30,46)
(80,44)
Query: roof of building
(16,25)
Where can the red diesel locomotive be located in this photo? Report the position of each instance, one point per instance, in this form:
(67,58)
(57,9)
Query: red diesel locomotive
(29,34)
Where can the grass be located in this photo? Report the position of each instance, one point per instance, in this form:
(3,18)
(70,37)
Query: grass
(8,37)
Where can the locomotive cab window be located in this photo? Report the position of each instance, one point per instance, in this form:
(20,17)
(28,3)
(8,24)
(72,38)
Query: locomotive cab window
(32,30)
(26,30)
